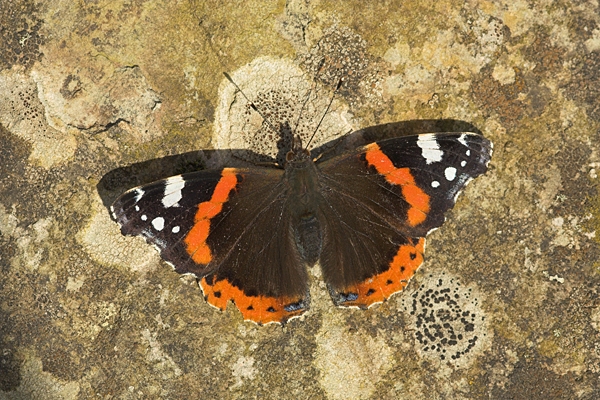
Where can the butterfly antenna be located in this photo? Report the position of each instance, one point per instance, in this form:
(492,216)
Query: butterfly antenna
(320,67)
(214,50)
(210,44)
(326,111)
(250,102)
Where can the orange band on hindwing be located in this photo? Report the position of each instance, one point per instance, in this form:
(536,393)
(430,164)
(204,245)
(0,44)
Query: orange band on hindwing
(195,240)
(416,198)
(260,309)
(380,287)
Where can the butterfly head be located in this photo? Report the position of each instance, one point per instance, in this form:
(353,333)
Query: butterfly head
(297,154)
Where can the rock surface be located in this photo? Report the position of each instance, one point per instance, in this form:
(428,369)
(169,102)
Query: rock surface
(97,97)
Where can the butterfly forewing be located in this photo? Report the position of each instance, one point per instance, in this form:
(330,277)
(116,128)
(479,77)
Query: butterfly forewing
(163,213)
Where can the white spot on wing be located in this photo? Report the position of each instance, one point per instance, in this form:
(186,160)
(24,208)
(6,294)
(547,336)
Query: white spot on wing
(461,140)
(137,208)
(175,229)
(435,184)
(144,218)
(158,223)
(138,194)
(450,173)
(468,153)
(463,163)
(173,188)
(430,148)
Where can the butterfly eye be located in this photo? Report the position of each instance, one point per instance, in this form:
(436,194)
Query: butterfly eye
(290,156)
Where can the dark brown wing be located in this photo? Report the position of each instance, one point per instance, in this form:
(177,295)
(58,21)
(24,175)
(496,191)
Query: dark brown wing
(229,228)
(380,203)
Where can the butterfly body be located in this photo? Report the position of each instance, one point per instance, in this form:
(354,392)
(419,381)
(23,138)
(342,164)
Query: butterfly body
(303,202)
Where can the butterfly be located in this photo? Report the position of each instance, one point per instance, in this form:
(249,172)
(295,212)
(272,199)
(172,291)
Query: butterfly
(249,234)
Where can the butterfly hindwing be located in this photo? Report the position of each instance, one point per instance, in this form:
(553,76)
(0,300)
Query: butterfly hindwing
(365,258)
(259,266)
(391,194)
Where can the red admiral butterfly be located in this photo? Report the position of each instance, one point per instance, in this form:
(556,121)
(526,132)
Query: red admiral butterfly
(249,234)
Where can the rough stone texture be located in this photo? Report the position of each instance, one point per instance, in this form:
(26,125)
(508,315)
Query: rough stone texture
(96,97)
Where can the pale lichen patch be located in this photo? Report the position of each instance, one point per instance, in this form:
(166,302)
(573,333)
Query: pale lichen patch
(593,43)
(39,384)
(350,364)
(450,326)
(161,362)
(8,222)
(103,241)
(74,284)
(243,369)
(287,101)
(504,74)
(122,96)
(24,115)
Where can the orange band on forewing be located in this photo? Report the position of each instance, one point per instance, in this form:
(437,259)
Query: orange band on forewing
(227,182)
(195,240)
(419,202)
(416,198)
(379,160)
(202,254)
(380,287)
(401,176)
(208,209)
(415,216)
(260,309)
